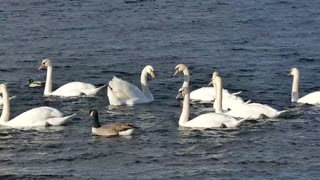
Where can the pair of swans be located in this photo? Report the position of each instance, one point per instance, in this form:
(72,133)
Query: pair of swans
(208,120)
(312,98)
(121,92)
(35,117)
(206,94)
(68,90)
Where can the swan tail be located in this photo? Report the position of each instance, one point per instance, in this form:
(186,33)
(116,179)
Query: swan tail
(282,112)
(59,120)
(96,90)
(13,97)
(241,121)
(247,102)
(236,93)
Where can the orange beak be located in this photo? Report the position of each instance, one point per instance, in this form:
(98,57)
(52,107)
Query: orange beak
(152,75)
(41,66)
(179,94)
(175,72)
(289,74)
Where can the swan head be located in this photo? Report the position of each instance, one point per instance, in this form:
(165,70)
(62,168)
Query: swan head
(214,75)
(149,69)
(95,117)
(182,92)
(179,68)
(293,72)
(45,63)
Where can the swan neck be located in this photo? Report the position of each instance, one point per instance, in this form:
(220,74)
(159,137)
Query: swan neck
(144,84)
(184,117)
(6,107)
(295,88)
(186,77)
(48,86)
(218,100)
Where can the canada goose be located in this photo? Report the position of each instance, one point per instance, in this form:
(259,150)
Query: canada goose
(109,130)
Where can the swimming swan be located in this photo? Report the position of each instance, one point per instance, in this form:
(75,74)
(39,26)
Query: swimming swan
(121,92)
(40,116)
(312,98)
(69,89)
(110,129)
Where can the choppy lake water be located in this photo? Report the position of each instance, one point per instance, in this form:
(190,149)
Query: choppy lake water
(253,44)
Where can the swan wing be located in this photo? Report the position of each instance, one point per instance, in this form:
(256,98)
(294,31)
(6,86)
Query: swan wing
(203,94)
(312,98)
(124,90)
(57,121)
(253,111)
(212,120)
(34,117)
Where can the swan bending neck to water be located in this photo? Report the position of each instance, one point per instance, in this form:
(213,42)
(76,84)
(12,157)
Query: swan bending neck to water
(311,98)
(121,92)
(69,89)
(40,116)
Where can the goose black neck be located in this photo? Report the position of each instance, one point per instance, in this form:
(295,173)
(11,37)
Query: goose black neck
(96,123)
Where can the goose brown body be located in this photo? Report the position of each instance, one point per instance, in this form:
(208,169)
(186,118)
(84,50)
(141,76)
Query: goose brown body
(109,130)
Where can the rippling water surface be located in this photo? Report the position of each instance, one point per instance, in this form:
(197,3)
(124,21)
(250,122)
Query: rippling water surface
(253,44)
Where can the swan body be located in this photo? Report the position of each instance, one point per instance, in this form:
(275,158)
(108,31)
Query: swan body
(253,111)
(208,120)
(208,94)
(312,98)
(40,116)
(121,92)
(110,129)
(67,90)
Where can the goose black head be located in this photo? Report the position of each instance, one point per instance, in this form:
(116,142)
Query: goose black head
(30,81)
(94,114)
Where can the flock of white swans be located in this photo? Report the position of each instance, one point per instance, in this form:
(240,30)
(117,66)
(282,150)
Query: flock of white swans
(229,110)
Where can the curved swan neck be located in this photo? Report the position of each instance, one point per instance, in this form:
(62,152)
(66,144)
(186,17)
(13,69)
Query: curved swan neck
(48,86)
(6,106)
(295,88)
(184,117)
(144,84)
(186,77)
(218,100)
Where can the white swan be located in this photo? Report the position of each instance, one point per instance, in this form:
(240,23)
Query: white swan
(208,94)
(40,116)
(209,120)
(121,92)
(312,98)
(67,90)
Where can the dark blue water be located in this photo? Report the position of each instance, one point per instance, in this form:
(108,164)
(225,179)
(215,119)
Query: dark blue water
(253,44)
